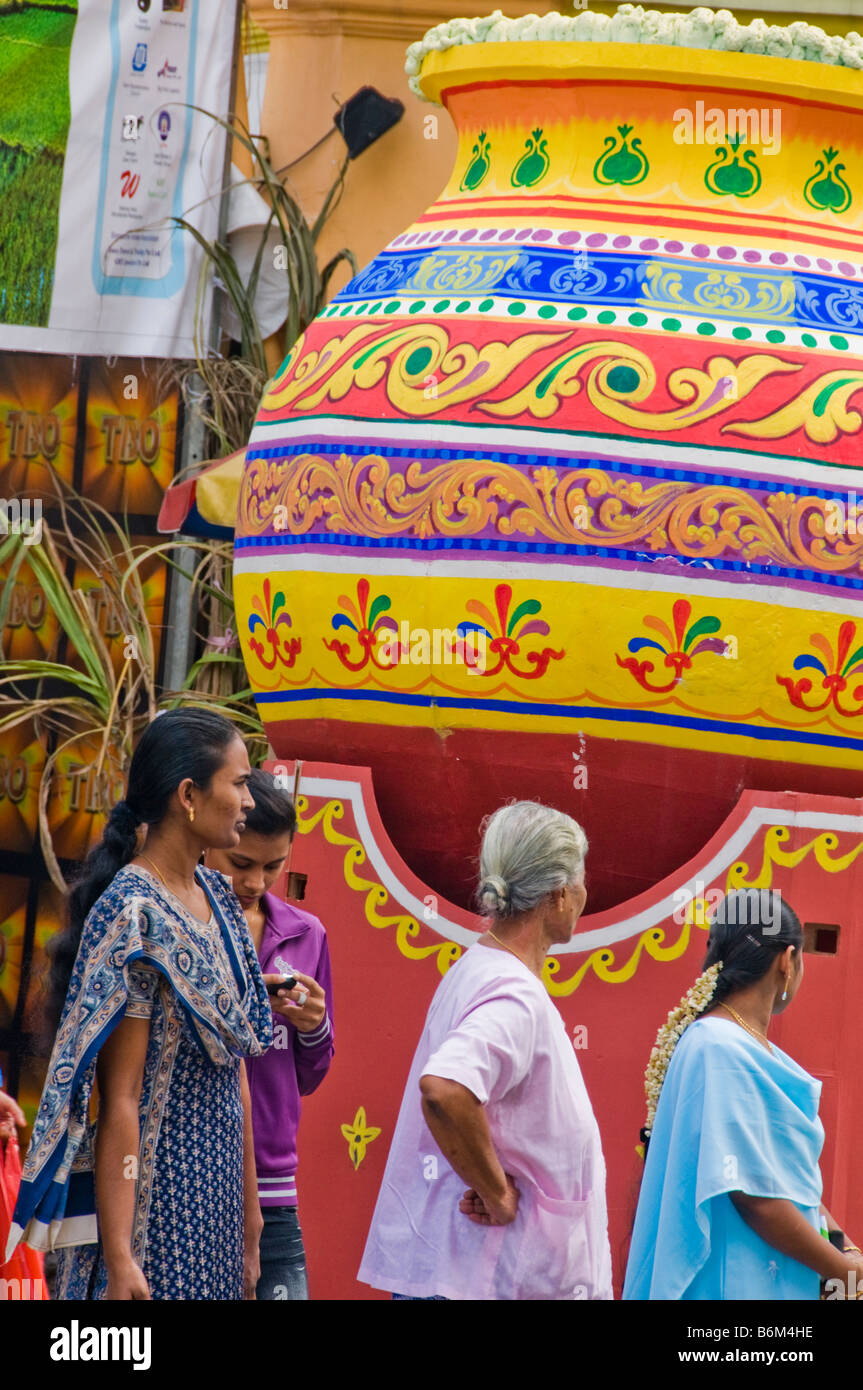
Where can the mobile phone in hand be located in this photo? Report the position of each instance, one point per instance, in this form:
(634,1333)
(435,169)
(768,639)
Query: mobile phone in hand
(286,982)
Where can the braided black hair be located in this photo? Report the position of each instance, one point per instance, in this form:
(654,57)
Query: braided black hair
(749,929)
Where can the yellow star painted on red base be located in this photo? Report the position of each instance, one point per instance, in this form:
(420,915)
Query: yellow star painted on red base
(359,1135)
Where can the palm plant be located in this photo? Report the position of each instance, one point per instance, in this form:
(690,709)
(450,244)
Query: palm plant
(223,392)
(235,384)
(99,699)
(217,678)
(99,694)
(93,695)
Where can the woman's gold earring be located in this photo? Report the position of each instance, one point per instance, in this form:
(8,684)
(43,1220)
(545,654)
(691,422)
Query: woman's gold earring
(191,814)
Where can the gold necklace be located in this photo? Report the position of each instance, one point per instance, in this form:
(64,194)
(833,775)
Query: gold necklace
(743,1024)
(507,948)
(161,875)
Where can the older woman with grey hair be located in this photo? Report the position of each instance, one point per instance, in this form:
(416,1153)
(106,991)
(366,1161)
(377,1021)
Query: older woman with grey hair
(495,1102)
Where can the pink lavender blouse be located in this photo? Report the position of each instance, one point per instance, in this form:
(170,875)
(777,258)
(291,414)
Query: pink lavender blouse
(492,1028)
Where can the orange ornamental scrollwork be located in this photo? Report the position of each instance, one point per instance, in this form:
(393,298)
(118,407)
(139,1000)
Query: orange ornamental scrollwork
(403,358)
(374,497)
(397,364)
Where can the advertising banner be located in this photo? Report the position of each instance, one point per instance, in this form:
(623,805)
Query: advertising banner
(109,432)
(100,148)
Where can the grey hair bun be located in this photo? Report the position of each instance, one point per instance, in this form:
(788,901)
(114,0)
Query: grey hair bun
(528,850)
(494,896)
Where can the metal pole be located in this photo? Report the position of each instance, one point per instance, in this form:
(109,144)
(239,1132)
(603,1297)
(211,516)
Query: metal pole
(181,614)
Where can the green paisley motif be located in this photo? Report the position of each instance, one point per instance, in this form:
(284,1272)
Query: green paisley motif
(625,165)
(739,180)
(479,164)
(827,191)
(533,164)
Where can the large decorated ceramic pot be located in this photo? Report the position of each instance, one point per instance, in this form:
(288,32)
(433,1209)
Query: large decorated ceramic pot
(556,498)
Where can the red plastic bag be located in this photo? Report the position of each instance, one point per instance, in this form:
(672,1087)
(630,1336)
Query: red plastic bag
(22,1277)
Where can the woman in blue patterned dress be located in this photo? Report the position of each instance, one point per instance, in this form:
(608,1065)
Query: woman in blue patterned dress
(157,1198)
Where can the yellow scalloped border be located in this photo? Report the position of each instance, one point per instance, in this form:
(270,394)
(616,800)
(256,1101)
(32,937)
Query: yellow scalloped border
(773,853)
(376,895)
(601,961)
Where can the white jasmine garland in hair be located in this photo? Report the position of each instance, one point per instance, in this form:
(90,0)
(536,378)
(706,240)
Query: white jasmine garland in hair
(693,1003)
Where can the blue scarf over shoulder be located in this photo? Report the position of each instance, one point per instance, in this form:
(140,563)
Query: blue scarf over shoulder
(133,920)
(732,1117)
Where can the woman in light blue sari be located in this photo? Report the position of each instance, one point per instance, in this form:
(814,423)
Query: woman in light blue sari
(730,1202)
(157,1198)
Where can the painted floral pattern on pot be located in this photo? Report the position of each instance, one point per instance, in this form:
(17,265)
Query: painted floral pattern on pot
(609,383)
(836,665)
(623,162)
(733,171)
(676,648)
(827,189)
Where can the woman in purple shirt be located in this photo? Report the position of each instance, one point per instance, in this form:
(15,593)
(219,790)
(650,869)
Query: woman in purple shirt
(286,940)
